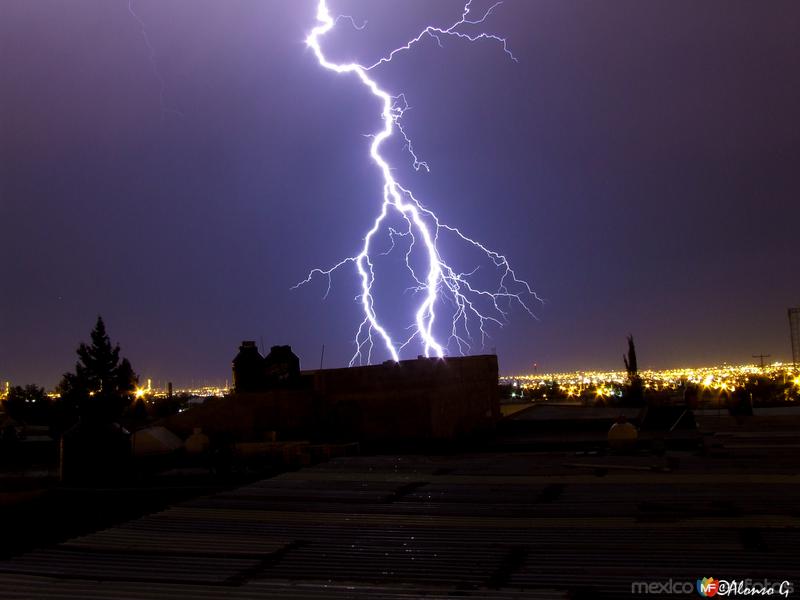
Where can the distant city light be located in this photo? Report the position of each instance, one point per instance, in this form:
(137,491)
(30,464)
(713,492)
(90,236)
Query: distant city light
(204,391)
(722,378)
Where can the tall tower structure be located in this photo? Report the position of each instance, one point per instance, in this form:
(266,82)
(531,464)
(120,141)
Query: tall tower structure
(794,332)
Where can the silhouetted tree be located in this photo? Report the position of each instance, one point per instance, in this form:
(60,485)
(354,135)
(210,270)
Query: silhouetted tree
(28,404)
(136,415)
(102,385)
(635,391)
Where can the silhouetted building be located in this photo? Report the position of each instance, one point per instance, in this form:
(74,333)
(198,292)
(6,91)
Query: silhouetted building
(255,373)
(281,366)
(248,367)
(422,399)
(93,451)
(426,398)
(794,331)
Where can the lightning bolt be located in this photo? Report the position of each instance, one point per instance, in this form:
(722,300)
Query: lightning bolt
(165,108)
(471,306)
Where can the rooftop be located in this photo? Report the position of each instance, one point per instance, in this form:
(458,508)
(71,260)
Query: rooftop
(499,525)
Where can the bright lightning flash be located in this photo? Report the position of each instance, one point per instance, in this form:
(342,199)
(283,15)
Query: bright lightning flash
(471,304)
(165,109)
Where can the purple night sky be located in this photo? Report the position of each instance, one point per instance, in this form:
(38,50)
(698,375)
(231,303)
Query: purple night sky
(640,166)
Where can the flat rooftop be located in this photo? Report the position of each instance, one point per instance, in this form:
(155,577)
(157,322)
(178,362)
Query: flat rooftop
(497,525)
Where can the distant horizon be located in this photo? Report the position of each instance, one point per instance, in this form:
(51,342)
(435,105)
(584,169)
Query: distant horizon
(219,382)
(180,169)
(681,367)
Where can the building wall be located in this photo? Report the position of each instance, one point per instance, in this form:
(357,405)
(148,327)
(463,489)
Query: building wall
(423,399)
(249,416)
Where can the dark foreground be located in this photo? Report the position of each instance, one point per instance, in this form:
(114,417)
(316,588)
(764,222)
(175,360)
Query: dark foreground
(522,524)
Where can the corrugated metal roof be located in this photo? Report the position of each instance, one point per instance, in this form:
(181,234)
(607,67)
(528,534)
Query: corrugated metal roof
(496,526)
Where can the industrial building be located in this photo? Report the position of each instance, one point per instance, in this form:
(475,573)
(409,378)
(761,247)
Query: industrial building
(412,400)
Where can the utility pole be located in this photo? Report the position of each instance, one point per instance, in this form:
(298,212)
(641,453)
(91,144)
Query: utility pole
(794,334)
(321,357)
(761,358)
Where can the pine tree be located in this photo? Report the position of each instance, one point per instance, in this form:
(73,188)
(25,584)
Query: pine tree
(635,389)
(102,384)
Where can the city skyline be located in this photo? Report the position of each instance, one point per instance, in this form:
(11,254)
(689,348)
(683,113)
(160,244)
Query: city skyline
(641,177)
(219,385)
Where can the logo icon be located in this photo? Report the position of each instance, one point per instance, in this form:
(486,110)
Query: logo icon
(707,587)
